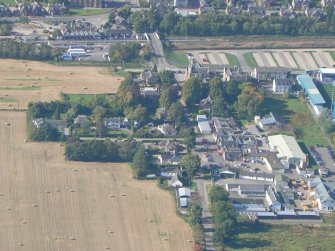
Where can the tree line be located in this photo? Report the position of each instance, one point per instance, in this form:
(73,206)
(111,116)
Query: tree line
(224,215)
(221,24)
(101,151)
(21,50)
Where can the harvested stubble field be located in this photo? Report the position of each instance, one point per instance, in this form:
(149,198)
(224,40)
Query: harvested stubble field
(48,203)
(27,81)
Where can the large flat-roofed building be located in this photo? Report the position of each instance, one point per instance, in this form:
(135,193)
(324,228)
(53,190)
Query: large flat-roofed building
(327,75)
(314,96)
(288,150)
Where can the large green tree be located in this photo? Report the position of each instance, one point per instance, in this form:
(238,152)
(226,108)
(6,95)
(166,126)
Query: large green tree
(191,91)
(190,164)
(216,89)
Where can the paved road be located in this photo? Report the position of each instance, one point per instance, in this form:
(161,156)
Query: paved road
(162,63)
(206,215)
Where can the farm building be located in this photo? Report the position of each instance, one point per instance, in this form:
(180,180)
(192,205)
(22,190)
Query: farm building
(271,120)
(314,96)
(327,75)
(288,149)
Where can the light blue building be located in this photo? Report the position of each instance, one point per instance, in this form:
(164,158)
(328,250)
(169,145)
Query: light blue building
(314,96)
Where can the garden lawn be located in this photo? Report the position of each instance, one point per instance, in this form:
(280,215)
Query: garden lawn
(311,132)
(177,58)
(87,12)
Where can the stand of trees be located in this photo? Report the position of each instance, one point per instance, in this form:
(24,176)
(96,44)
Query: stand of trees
(224,215)
(125,52)
(101,151)
(45,133)
(5,29)
(221,24)
(20,50)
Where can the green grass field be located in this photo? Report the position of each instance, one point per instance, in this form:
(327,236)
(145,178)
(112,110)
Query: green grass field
(232,59)
(311,133)
(87,12)
(256,236)
(177,58)
(22,88)
(249,58)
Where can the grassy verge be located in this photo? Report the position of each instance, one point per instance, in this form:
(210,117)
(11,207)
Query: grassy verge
(310,132)
(332,53)
(256,236)
(21,88)
(87,12)
(81,63)
(232,59)
(249,58)
(7,100)
(177,58)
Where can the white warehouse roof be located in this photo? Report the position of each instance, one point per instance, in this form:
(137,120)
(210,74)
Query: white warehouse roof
(184,192)
(287,146)
(327,70)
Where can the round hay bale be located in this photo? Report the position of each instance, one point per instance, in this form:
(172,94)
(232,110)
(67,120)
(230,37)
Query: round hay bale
(57,190)
(34,205)
(110,232)
(21,84)
(25,140)
(189,241)
(166,239)
(70,73)
(71,191)
(111,195)
(123,195)
(107,248)
(8,208)
(84,88)
(2,194)
(75,170)
(46,191)
(20,244)
(151,220)
(72,238)
(24,222)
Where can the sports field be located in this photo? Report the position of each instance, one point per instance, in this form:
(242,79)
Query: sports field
(25,81)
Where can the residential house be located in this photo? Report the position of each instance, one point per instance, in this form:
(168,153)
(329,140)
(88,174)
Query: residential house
(281,85)
(169,159)
(273,164)
(169,171)
(316,13)
(225,126)
(234,73)
(256,176)
(272,200)
(300,4)
(236,11)
(55,123)
(270,121)
(324,193)
(151,92)
(195,69)
(267,73)
(167,130)
(256,11)
(175,182)
(170,146)
(81,120)
(56,9)
(149,77)
(288,149)
(180,3)
(113,123)
(206,104)
(287,13)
